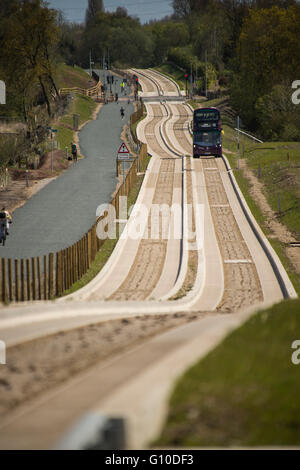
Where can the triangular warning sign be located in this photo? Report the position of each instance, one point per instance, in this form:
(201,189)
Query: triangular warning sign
(123,148)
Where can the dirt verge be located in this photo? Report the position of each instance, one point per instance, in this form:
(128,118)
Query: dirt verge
(277,229)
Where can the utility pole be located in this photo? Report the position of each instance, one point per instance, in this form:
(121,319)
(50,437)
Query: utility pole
(191,82)
(103,67)
(52,144)
(108,64)
(206,73)
(238,140)
(186,88)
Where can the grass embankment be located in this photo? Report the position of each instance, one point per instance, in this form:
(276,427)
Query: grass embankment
(82,105)
(134,126)
(69,77)
(109,244)
(246,392)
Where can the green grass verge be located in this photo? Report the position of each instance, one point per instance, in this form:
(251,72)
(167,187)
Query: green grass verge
(109,244)
(246,392)
(134,126)
(82,105)
(64,137)
(280,174)
(101,257)
(67,77)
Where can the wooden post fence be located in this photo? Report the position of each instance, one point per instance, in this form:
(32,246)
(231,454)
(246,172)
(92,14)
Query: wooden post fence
(36,279)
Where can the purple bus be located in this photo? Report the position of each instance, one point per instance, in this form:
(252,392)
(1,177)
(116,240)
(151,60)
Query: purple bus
(207,132)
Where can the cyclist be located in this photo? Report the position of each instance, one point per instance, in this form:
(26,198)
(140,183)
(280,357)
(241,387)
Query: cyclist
(4,214)
(122,112)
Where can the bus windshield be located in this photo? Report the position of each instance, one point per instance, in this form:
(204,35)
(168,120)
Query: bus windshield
(206,115)
(207,138)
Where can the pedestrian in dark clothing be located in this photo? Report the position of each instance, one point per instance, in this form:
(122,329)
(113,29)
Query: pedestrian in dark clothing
(74,151)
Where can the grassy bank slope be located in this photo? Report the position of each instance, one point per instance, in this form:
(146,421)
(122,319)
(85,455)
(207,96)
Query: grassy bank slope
(246,392)
(67,76)
(82,105)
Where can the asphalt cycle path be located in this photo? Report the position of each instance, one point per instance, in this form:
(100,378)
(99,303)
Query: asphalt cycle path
(63,211)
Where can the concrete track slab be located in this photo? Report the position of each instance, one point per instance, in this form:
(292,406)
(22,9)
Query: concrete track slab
(131,385)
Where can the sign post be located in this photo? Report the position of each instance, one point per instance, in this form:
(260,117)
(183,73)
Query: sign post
(123,156)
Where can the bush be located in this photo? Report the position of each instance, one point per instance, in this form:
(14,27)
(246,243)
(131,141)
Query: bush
(183,57)
(278,117)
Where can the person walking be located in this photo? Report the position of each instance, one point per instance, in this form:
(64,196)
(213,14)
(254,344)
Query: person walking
(122,112)
(74,151)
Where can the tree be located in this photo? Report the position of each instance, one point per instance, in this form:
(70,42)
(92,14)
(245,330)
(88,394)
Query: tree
(269,55)
(94,7)
(278,117)
(28,44)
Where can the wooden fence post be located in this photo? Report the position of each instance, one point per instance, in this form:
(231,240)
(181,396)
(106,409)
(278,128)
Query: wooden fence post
(22,280)
(64,262)
(83,257)
(51,268)
(58,274)
(4,280)
(10,280)
(17,281)
(45,279)
(28,280)
(89,240)
(85,254)
(39,278)
(94,242)
(67,269)
(79,259)
(76,261)
(70,266)
(33,268)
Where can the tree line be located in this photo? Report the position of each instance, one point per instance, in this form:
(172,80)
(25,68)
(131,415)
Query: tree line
(251,47)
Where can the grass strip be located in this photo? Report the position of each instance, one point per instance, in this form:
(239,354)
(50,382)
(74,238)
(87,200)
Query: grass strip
(246,392)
